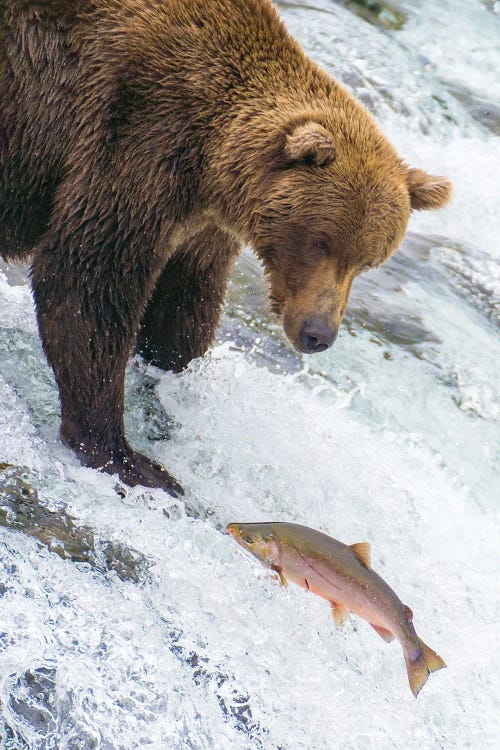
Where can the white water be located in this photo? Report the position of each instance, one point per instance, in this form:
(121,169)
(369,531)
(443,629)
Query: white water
(390,437)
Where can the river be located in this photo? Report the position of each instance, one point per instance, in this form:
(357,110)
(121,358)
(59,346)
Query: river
(135,622)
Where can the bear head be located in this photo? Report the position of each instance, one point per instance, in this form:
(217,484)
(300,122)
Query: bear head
(335,200)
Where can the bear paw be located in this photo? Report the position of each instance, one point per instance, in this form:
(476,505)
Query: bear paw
(135,469)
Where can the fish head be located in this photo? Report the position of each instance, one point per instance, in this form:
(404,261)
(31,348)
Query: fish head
(258,539)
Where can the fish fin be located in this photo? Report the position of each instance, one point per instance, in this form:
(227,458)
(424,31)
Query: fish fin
(362,552)
(339,613)
(383,633)
(408,613)
(277,569)
(420,664)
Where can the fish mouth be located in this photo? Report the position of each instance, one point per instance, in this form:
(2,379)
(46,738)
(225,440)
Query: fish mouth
(233,530)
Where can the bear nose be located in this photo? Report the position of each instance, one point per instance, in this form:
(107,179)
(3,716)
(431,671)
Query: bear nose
(316,336)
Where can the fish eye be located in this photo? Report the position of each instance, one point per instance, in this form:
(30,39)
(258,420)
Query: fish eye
(246,537)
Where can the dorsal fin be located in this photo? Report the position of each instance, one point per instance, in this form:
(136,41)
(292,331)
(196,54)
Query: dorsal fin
(362,552)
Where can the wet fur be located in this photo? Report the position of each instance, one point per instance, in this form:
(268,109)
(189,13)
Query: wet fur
(141,144)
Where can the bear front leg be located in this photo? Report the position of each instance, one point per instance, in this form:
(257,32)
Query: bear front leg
(87,318)
(182,316)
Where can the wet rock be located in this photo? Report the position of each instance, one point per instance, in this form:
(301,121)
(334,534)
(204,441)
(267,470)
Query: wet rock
(10,739)
(485,112)
(378,305)
(234,703)
(33,700)
(21,509)
(462,269)
(144,411)
(39,711)
(126,562)
(377,12)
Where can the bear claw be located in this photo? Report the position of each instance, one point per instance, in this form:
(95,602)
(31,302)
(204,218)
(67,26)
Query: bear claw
(136,469)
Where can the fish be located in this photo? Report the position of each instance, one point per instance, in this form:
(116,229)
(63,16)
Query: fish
(341,574)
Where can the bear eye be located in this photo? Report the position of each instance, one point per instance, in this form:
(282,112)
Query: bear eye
(322,245)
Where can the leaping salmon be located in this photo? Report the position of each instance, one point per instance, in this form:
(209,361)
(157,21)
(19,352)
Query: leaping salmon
(342,575)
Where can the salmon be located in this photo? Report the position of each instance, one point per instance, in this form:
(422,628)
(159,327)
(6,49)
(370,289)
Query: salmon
(342,575)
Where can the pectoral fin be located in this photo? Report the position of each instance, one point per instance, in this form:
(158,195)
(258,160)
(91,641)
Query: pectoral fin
(362,552)
(339,613)
(276,569)
(383,633)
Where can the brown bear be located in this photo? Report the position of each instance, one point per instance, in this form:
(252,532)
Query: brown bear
(142,143)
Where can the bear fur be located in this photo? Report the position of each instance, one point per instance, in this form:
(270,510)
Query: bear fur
(142,144)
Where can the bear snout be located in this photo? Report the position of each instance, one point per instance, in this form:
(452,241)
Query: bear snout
(316,335)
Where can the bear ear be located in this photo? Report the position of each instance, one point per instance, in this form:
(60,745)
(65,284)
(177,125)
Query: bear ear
(427,191)
(311,144)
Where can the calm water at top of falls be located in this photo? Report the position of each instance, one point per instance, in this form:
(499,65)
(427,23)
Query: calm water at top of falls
(390,437)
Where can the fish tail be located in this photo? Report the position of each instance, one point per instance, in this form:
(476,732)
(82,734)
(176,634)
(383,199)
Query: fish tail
(420,662)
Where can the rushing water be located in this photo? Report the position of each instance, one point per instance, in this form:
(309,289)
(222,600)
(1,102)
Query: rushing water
(135,622)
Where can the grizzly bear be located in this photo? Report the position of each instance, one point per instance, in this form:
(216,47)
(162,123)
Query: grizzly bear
(142,144)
